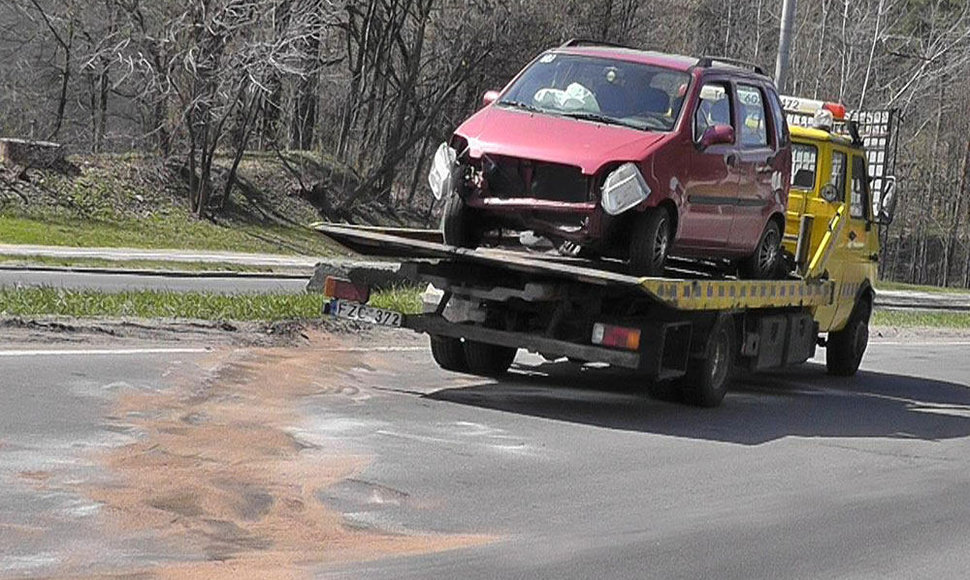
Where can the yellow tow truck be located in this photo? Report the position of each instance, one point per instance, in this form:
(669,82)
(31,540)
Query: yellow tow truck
(685,333)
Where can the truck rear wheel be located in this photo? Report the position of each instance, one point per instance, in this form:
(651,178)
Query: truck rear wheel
(449,353)
(458,225)
(845,348)
(709,376)
(488,360)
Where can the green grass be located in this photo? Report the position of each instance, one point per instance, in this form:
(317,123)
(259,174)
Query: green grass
(197,305)
(918,318)
(178,231)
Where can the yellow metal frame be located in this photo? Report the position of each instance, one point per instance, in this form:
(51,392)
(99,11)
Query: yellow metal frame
(738,294)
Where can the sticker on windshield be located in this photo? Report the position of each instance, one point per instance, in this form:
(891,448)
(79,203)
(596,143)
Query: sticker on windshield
(547,58)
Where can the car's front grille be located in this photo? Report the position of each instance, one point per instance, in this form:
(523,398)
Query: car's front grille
(508,177)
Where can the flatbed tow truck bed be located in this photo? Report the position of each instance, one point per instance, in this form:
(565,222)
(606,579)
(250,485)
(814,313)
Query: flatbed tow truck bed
(683,334)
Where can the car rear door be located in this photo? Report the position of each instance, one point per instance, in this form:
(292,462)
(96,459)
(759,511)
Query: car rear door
(762,172)
(712,182)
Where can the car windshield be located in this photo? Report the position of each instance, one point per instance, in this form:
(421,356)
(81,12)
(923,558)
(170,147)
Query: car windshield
(602,90)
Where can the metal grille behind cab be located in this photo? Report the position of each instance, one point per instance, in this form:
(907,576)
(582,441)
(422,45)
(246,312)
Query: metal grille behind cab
(878,128)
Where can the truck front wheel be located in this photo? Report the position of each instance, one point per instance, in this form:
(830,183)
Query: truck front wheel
(449,353)
(845,348)
(488,360)
(708,377)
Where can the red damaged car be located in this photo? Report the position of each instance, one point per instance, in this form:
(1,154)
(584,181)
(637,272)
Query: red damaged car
(626,154)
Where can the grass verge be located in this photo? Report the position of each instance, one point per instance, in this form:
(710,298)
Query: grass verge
(921,318)
(197,305)
(182,232)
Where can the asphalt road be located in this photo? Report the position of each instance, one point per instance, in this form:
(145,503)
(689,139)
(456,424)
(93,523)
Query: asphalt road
(571,473)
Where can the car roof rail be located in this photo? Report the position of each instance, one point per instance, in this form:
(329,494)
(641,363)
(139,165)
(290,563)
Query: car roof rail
(589,42)
(708,61)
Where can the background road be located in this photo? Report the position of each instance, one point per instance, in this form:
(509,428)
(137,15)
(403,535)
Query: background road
(574,473)
(119,282)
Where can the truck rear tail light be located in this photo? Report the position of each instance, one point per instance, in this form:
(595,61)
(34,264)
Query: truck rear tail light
(345,290)
(616,336)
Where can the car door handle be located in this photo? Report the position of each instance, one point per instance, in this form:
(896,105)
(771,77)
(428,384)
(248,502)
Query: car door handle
(764,169)
(732,159)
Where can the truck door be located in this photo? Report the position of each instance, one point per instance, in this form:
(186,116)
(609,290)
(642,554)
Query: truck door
(712,189)
(861,242)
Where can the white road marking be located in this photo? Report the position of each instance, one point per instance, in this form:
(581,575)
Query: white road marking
(379,349)
(101,352)
(891,343)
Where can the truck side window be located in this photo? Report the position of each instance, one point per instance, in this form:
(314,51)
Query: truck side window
(754,130)
(714,108)
(860,189)
(837,178)
(804,165)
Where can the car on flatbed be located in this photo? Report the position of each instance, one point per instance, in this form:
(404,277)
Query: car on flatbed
(623,153)
(684,334)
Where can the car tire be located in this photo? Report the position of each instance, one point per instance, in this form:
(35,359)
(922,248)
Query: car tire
(709,376)
(653,233)
(458,224)
(764,263)
(488,360)
(845,348)
(449,353)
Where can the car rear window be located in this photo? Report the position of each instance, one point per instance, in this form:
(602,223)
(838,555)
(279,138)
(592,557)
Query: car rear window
(626,93)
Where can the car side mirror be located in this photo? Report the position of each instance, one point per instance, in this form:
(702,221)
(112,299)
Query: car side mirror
(887,203)
(489,97)
(717,135)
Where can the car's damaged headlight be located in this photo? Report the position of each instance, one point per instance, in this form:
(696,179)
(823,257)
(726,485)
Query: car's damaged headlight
(444,167)
(624,188)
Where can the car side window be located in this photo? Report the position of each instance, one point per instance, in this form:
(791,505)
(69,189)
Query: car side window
(860,189)
(754,130)
(837,177)
(782,136)
(714,108)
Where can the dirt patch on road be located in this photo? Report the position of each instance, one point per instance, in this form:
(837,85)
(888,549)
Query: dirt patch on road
(220,481)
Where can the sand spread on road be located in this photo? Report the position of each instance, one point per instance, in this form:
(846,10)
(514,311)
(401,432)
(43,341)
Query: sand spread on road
(219,481)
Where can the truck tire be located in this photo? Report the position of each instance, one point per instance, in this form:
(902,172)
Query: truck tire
(844,349)
(650,242)
(488,360)
(458,225)
(764,263)
(709,376)
(449,353)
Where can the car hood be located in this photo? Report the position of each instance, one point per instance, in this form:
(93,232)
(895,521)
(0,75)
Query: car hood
(584,144)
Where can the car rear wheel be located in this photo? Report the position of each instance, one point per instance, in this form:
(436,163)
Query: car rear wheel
(458,224)
(764,263)
(650,243)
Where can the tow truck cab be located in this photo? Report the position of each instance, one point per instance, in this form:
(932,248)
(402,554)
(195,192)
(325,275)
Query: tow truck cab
(835,187)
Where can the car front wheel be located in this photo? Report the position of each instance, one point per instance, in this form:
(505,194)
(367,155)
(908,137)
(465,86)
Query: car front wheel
(459,226)
(652,235)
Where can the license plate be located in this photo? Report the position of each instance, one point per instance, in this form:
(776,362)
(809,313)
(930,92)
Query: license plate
(364,313)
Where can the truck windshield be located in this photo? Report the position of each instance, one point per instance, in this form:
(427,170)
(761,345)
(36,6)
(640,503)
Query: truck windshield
(602,90)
